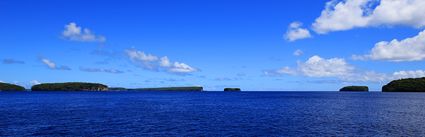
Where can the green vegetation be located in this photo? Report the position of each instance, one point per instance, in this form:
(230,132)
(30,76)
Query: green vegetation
(170,89)
(405,85)
(355,88)
(10,87)
(232,89)
(70,86)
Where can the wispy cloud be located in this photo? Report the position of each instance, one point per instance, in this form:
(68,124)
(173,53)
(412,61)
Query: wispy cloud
(298,52)
(12,61)
(227,79)
(155,63)
(74,32)
(50,64)
(113,71)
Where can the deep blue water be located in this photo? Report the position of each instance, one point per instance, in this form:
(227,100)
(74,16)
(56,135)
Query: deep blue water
(212,114)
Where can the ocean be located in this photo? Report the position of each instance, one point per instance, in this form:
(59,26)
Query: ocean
(211,114)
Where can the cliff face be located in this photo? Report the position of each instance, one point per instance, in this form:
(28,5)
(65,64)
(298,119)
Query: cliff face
(355,88)
(10,87)
(405,85)
(70,86)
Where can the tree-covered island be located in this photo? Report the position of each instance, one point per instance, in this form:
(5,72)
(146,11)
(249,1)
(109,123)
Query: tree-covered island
(354,89)
(70,86)
(405,85)
(232,89)
(10,87)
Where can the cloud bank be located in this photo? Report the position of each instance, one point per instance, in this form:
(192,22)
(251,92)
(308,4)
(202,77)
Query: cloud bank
(318,67)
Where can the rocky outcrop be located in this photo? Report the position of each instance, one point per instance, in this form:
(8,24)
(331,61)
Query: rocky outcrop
(405,85)
(10,87)
(355,89)
(70,86)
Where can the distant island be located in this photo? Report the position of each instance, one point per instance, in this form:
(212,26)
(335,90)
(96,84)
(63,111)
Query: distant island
(83,86)
(70,86)
(401,85)
(354,89)
(405,85)
(169,89)
(10,87)
(232,89)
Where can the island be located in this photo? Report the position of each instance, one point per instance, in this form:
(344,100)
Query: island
(10,87)
(198,89)
(70,86)
(232,89)
(405,85)
(354,89)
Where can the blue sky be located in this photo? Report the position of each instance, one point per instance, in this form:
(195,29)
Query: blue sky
(256,45)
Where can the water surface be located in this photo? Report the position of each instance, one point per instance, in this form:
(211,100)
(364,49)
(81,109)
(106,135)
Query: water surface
(211,114)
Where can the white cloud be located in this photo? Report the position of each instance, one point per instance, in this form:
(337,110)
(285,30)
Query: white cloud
(140,55)
(408,74)
(181,68)
(147,61)
(34,82)
(298,52)
(295,32)
(338,68)
(76,33)
(50,64)
(152,62)
(382,77)
(165,62)
(400,12)
(319,67)
(282,71)
(410,49)
(367,76)
(316,66)
(340,15)
(286,70)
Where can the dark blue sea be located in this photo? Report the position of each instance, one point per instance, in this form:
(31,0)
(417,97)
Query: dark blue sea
(212,114)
